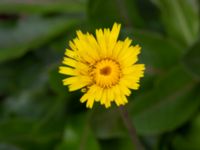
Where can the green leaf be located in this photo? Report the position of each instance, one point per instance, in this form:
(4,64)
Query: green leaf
(190,138)
(4,146)
(20,78)
(107,12)
(78,135)
(158,53)
(55,80)
(31,116)
(170,104)
(112,128)
(32,121)
(150,15)
(7,76)
(180,18)
(30,33)
(19,132)
(192,60)
(47,6)
(109,127)
(117,144)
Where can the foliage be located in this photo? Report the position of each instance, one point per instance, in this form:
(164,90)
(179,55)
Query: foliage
(37,112)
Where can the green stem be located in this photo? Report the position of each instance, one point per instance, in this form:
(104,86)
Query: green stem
(131,129)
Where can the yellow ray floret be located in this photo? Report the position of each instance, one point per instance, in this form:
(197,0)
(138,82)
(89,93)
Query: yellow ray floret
(102,66)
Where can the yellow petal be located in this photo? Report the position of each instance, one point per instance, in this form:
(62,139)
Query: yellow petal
(125,46)
(67,71)
(84,98)
(129,57)
(124,89)
(70,53)
(98,94)
(75,84)
(85,52)
(116,50)
(90,102)
(135,70)
(114,35)
(69,62)
(72,46)
(101,41)
(107,100)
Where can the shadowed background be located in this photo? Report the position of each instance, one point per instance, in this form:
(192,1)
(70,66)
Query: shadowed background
(38,112)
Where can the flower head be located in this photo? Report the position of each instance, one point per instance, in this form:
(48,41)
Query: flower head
(102,66)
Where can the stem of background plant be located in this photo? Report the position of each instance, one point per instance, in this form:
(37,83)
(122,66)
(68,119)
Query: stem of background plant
(131,129)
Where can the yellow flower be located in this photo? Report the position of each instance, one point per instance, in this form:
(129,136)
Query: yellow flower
(103,67)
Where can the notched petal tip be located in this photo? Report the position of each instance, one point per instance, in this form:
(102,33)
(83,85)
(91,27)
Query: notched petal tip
(116,25)
(61,70)
(78,32)
(143,66)
(83,98)
(138,47)
(107,106)
(80,35)
(90,103)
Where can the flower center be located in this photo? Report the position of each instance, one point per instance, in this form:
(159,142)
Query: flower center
(105,73)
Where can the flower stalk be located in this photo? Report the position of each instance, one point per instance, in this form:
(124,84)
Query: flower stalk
(131,129)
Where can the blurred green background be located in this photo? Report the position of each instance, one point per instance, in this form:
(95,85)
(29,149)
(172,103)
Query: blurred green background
(38,113)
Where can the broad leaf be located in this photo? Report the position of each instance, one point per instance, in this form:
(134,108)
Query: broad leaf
(30,33)
(47,6)
(55,80)
(170,104)
(192,60)
(112,128)
(158,53)
(180,18)
(190,138)
(124,143)
(31,117)
(107,12)
(78,135)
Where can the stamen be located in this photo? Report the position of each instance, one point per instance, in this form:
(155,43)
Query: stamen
(105,73)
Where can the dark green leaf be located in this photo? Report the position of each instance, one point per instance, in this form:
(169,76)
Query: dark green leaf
(78,135)
(158,53)
(31,116)
(112,128)
(189,139)
(117,144)
(47,6)
(6,79)
(4,146)
(19,132)
(150,14)
(170,104)
(30,33)
(32,124)
(180,18)
(107,12)
(192,60)
(55,80)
